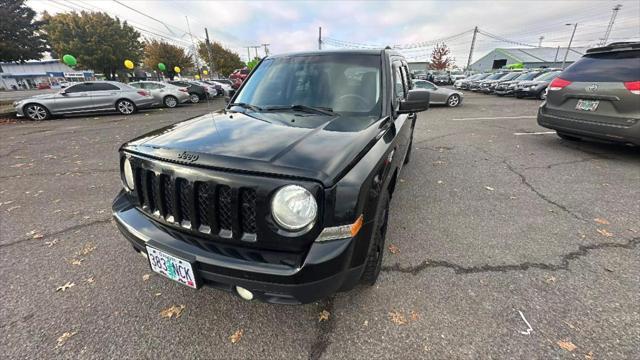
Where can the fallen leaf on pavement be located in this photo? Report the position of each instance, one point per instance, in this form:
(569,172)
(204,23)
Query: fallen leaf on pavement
(65,286)
(566,345)
(173,311)
(64,337)
(549,279)
(588,356)
(397,317)
(86,250)
(489,188)
(393,249)
(440,181)
(51,243)
(324,315)
(157,294)
(77,262)
(236,336)
(601,221)
(415,316)
(90,280)
(146,277)
(604,232)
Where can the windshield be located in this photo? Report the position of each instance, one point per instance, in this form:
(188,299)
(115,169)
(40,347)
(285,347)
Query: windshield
(528,76)
(547,76)
(511,76)
(344,83)
(495,76)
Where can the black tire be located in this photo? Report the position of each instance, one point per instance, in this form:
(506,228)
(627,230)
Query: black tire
(374,257)
(453,100)
(519,96)
(542,95)
(170,101)
(194,98)
(36,112)
(126,107)
(564,136)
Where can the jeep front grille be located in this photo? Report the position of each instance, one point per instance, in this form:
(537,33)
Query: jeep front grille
(200,206)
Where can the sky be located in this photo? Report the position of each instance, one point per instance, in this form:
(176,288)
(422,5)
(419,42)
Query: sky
(413,25)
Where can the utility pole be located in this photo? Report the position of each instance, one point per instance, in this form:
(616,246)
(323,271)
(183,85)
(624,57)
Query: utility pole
(540,41)
(266,49)
(320,38)
(256,49)
(195,57)
(569,46)
(610,26)
(248,53)
(208,43)
(555,59)
(473,44)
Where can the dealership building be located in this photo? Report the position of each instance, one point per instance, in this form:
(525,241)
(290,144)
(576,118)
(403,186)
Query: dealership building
(550,57)
(28,75)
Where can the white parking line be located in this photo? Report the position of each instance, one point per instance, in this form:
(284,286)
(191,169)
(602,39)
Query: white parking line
(495,118)
(535,133)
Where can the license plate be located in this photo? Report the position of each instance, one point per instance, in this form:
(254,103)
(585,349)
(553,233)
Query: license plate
(172,267)
(587,105)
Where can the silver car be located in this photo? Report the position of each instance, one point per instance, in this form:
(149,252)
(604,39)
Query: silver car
(440,95)
(163,93)
(90,96)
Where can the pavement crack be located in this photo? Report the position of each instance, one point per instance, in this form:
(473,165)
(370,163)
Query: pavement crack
(325,329)
(564,163)
(583,250)
(542,196)
(79,172)
(59,232)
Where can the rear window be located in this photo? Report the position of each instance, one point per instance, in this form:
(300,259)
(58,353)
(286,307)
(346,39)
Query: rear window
(610,67)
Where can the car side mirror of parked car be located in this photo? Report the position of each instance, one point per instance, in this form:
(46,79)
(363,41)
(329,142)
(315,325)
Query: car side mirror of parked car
(227,99)
(417,100)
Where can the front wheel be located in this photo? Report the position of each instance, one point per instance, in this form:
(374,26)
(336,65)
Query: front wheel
(376,251)
(125,107)
(453,100)
(36,112)
(542,95)
(194,98)
(170,101)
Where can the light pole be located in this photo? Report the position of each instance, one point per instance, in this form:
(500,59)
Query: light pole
(569,46)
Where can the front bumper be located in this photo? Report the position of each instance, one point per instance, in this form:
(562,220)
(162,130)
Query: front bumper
(590,129)
(324,271)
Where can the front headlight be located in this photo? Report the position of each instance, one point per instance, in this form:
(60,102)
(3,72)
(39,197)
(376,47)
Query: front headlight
(128,175)
(294,208)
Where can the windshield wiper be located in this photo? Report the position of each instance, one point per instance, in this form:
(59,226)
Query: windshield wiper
(247,106)
(300,107)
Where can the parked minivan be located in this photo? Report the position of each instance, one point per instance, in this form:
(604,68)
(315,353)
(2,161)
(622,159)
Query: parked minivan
(597,97)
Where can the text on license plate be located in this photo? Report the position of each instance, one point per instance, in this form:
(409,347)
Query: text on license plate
(175,269)
(587,105)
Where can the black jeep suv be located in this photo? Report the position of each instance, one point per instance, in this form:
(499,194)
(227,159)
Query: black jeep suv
(283,196)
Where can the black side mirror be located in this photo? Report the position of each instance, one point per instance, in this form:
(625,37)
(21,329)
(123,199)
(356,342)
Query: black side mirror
(417,100)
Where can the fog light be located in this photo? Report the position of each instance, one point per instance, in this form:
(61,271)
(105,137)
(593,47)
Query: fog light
(244,293)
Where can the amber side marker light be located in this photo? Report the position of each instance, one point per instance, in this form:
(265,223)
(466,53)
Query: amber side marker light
(341,232)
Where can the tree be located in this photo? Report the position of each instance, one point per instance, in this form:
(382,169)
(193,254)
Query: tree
(97,40)
(20,35)
(224,60)
(170,55)
(440,59)
(251,64)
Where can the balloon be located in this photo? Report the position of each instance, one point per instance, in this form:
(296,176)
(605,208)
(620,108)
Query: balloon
(176,69)
(162,67)
(69,60)
(128,64)
(206,72)
(197,77)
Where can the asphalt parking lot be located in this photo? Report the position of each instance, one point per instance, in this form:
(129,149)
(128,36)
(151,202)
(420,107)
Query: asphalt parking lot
(504,242)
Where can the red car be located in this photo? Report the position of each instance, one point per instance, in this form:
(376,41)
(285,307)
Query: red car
(238,77)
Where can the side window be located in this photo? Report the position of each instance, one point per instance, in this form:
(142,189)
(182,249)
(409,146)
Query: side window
(104,87)
(77,88)
(398,86)
(429,86)
(136,85)
(405,77)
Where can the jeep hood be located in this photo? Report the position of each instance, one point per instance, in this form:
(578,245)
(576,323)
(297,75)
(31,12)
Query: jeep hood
(310,146)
